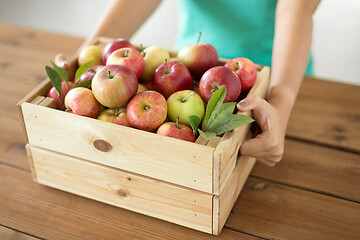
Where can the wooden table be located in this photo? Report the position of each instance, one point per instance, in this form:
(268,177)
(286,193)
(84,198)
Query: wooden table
(313,193)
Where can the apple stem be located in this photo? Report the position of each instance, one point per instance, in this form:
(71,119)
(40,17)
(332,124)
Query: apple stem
(117,112)
(199,38)
(110,76)
(146,107)
(166,70)
(68,110)
(189,95)
(142,50)
(126,53)
(237,65)
(177,123)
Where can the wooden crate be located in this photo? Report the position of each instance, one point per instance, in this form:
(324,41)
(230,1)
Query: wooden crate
(191,184)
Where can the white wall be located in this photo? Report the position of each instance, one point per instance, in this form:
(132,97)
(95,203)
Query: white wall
(336,38)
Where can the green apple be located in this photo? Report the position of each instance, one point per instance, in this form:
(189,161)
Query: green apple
(154,56)
(183,104)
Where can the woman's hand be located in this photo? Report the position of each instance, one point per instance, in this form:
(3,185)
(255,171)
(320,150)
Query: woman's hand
(268,146)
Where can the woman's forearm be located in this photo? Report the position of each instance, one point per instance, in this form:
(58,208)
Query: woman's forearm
(124,17)
(292,43)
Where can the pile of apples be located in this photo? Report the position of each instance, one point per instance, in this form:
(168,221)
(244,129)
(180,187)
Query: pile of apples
(151,91)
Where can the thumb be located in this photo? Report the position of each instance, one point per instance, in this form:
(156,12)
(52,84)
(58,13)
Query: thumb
(249,103)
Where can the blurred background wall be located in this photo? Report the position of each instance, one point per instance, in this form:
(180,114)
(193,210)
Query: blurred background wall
(336,37)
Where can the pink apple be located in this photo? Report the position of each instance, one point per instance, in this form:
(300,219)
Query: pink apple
(216,77)
(114,85)
(90,73)
(147,110)
(114,45)
(176,130)
(128,57)
(115,115)
(198,58)
(171,77)
(81,101)
(245,69)
(64,90)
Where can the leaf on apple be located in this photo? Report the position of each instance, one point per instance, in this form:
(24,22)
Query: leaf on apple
(84,84)
(219,117)
(55,79)
(207,135)
(82,69)
(194,122)
(230,122)
(62,72)
(215,102)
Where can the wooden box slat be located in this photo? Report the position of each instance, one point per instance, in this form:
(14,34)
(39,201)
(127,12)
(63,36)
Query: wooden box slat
(151,197)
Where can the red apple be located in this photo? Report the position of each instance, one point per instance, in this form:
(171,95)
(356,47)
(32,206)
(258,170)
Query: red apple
(81,101)
(114,45)
(198,58)
(90,73)
(245,69)
(128,57)
(115,115)
(114,85)
(171,77)
(216,77)
(147,110)
(64,90)
(177,130)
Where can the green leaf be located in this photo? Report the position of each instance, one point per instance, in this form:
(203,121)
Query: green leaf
(207,135)
(54,78)
(223,110)
(82,69)
(62,72)
(84,84)
(230,122)
(214,102)
(194,122)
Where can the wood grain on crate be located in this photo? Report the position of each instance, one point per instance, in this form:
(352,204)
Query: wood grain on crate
(152,197)
(133,150)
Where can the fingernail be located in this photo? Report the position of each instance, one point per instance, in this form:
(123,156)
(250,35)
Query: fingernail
(242,104)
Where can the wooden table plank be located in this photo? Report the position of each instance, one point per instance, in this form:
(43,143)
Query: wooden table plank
(327,113)
(10,234)
(276,211)
(317,168)
(12,147)
(11,92)
(53,214)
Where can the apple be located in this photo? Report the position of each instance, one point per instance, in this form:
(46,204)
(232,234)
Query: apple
(147,110)
(115,45)
(153,57)
(81,101)
(128,57)
(171,77)
(114,85)
(245,69)
(90,73)
(88,53)
(115,115)
(199,57)
(64,90)
(216,77)
(141,88)
(176,130)
(183,104)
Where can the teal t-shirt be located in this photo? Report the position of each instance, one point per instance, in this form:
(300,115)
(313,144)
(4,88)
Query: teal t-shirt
(236,28)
